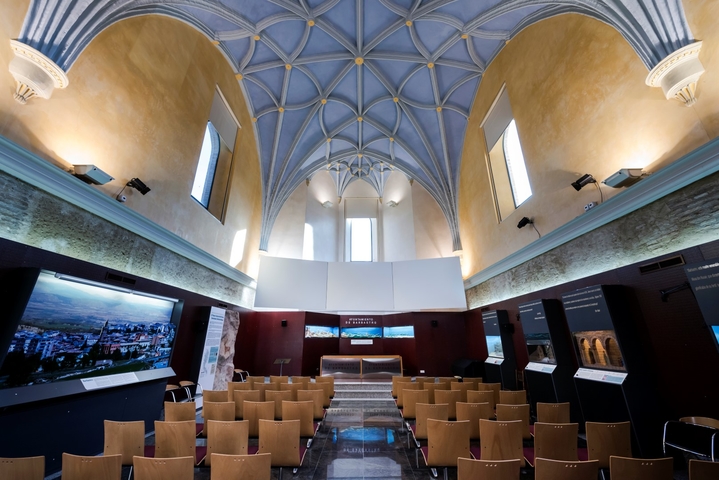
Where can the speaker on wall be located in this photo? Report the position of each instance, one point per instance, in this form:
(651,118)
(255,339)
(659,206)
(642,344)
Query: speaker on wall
(435,323)
(284,323)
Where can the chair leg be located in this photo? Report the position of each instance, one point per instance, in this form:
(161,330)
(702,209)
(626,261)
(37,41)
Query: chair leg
(130,475)
(445,474)
(433,471)
(279,476)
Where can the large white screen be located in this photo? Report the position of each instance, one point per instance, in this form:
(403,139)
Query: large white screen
(428,284)
(290,283)
(365,286)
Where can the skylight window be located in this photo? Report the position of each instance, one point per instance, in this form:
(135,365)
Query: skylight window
(205,174)
(521,190)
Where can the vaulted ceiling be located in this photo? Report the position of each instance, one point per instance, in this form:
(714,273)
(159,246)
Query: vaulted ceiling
(358,87)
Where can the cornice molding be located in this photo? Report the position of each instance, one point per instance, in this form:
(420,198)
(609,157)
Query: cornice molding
(30,168)
(694,166)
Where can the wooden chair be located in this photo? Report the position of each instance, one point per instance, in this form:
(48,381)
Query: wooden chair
(705,421)
(227,438)
(447,380)
(403,387)
(240,396)
(176,439)
(256,411)
(627,468)
(329,380)
(282,440)
(501,440)
(278,396)
(325,388)
(450,397)
(191,389)
(607,439)
(263,388)
(179,468)
(462,388)
(173,391)
(277,380)
(474,412)
(425,412)
(241,467)
(546,469)
(301,411)
(512,397)
(180,412)
(515,412)
(395,384)
(701,470)
(433,387)
(80,467)
(220,411)
(24,468)
(293,388)
(411,399)
(232,387)
(494,387)
(297,380)
(446,443)
(126,439)
(474,381)
(482,396)
(316,396)
(553,412)
(468,469)
(254,381)
(215,396)
(556,441)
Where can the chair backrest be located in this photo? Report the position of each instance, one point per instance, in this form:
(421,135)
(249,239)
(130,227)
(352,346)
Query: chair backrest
(547,469)
(180,412)
(325,388)
(607,439)
(395,383)
(513,397)
(706,421)
(80,467)
(278,396)
(276,379)
(232,387)
(462,388)
(282,440)
(316,396)
(240,396)
(228,438)
(447,441)
(627,468)
(553,412)
(495,387)
(433,387)
(241,467)
(293,388)
(301,411)
(468,469)
(411,399)
(501,440)
(297,380)
(221,411)
(474,381)
(701,470)
(556,441)
(482,396)
(474,412)
(515,412)
(123,438)
(215,396)
(180,468)
(256,411)
(174,439)
(450,397)
(448,380)
(25,468)
(262,388)
(330,380)
(426,411)
(403,387)
(255,380)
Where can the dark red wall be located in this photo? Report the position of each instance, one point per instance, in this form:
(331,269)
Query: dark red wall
(273,341)
(315,348)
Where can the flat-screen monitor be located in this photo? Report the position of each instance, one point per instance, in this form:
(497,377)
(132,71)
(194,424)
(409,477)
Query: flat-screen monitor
(599,349)
(494,346)
(72,328)
(315,331)
(361,332)
(715,329)
(540,348)
(399,332)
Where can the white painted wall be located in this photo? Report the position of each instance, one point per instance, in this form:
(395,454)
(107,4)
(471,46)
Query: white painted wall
(431,231)
(287,235)
(324,222)
(397,223)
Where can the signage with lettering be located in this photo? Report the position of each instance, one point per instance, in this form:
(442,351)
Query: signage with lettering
(586,309)
(533,317)
(704,280)
(360,322)
(601,376)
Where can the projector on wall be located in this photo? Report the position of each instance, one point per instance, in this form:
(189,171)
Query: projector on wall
(624,177)
(91,174)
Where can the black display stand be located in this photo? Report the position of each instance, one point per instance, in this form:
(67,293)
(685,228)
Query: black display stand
(607,395)
(551,382)
(500,370)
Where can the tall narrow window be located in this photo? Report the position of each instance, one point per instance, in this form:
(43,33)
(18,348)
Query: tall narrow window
(360,239)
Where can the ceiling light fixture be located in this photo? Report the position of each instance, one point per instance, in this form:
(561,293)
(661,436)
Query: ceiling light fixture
(327,204)
(624,177)
(392,204)
(91,174)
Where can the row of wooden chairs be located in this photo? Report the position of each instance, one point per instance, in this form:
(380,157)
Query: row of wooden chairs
(184,392)
(464,392)
(293,389)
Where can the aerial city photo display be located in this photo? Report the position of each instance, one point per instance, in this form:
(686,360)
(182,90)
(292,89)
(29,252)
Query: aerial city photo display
(70,330)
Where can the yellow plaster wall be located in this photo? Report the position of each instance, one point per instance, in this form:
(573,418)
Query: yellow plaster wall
(581,106)
(136,106)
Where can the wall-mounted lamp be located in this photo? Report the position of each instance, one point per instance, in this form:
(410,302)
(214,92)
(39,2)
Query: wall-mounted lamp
(327,204)
(582,181)
(392,204)
(138,185)
(91,174)
(624,177)
(528,221)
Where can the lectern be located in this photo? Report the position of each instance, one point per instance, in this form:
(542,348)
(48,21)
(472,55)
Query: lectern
(280,362)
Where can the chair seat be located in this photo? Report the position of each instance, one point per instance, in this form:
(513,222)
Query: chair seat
(582,454)
(425,452)
(413,427)
(476,452)
(252,449)
(531,430)
(529,455)
(150,451)
(198,428)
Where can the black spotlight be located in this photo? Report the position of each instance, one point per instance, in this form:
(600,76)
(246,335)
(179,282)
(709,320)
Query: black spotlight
(582,181)
(284,323)
(524,222)
(138,185)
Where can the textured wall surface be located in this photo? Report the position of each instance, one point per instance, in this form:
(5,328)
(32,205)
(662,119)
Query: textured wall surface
(226,355)
(32,217)
(578,96)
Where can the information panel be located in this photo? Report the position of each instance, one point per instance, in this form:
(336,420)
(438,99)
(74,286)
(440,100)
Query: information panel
(704,280)
(211,349)
(601,376)
(533,317)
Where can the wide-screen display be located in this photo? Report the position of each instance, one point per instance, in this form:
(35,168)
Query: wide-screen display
(494,346)
(71,330)
(314,331)
(599,349)
(399,332)
(715,329)
(361,332)
(540,348)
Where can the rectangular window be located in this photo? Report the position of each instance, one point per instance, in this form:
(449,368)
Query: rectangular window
(360,239)
(505,162)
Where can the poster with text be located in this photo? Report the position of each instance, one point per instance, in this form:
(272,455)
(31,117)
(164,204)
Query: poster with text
(211,349)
